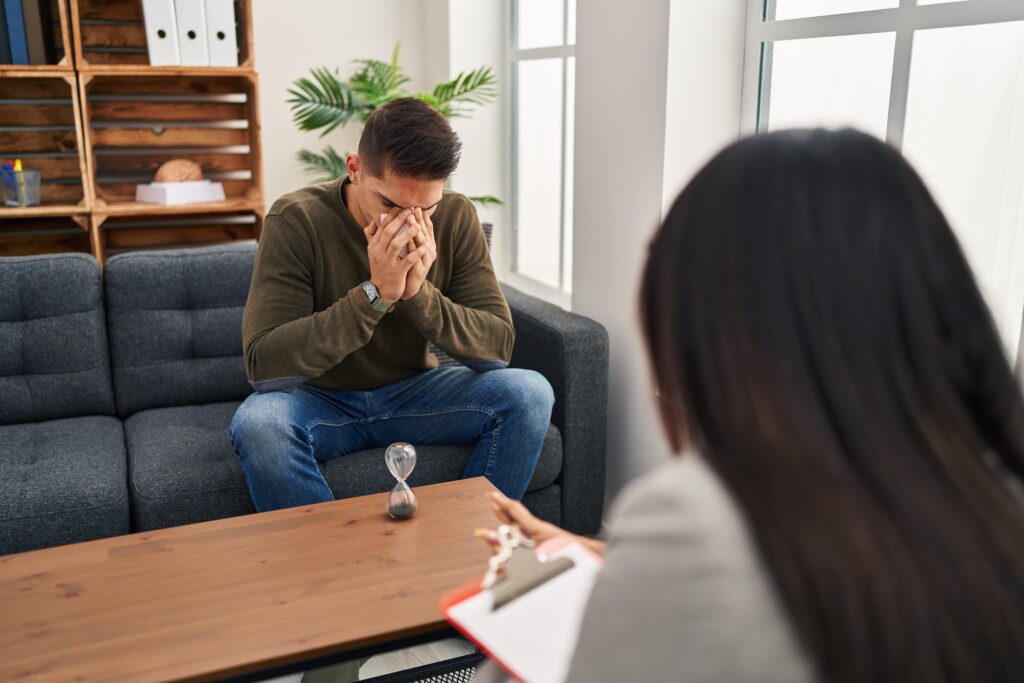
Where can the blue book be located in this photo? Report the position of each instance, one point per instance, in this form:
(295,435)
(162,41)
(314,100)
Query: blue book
(16,31)
(5,45)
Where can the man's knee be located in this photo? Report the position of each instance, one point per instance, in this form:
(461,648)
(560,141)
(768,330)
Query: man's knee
(527,393)
(263,417)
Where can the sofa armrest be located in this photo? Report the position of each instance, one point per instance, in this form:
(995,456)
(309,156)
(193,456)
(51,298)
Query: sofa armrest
(571,351)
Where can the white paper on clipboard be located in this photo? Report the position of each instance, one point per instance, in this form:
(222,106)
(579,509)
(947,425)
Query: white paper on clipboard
(534,636)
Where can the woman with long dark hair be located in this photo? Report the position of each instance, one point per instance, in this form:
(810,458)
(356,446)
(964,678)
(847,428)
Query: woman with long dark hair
(845,509)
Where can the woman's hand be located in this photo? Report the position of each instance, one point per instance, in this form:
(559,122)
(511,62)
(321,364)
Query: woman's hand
(510,511)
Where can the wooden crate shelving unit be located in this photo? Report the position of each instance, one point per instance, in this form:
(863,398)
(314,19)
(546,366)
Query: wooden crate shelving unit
(61,39)
(44,235)
(134,123)
(129,118)
(110,36)
(122,233)
(40,122)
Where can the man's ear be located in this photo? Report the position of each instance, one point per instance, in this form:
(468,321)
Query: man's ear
(353,163)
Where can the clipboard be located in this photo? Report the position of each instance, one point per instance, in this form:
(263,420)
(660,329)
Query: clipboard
(532,634)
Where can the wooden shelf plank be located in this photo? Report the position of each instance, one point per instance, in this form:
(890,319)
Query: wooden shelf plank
(146,70)
(140,209)
(36,70)
(43,210)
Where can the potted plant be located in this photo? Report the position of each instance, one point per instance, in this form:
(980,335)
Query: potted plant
(327,102)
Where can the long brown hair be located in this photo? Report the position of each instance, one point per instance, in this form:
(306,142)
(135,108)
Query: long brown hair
(817,335)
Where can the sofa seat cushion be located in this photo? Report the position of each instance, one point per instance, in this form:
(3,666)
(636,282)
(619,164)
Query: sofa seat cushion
(62,481)
(183,468)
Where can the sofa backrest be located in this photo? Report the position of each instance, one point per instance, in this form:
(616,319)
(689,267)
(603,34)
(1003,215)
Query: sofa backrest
(53,343)
(175,324)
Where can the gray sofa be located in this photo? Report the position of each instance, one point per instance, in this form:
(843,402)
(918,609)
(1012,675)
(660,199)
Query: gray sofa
(116,394)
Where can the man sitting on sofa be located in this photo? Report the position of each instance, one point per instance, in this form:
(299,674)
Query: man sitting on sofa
(351,282)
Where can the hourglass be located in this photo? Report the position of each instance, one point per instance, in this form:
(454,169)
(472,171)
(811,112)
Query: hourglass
(401,459)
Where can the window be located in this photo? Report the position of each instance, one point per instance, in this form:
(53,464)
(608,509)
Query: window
(542,77)
(942,80)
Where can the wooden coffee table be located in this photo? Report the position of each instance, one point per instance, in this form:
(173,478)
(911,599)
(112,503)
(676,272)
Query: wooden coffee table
(258,593)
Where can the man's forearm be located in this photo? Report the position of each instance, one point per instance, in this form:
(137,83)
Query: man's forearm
(469,334)
(282,357)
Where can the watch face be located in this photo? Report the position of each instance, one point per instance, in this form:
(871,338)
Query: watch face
(371,291)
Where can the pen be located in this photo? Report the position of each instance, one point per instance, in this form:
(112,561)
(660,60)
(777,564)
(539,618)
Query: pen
(19,177)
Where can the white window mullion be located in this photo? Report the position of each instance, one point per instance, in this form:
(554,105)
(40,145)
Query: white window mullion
(523,67)
(964,13)
(764,96)
(753,75)
(900,84)
(542,52)
(561,204)
(513,136)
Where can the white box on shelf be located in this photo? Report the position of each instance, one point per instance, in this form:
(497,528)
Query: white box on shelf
(195,192)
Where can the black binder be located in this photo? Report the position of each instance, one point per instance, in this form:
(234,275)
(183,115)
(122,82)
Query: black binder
(5,41)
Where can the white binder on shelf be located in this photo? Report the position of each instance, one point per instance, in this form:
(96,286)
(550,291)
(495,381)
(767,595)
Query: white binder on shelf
(221,34)
(191,15)
(161,32)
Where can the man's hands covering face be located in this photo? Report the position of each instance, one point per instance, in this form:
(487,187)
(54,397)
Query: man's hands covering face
(399,263)
(426,247)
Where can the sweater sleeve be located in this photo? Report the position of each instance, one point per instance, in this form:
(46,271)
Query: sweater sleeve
(285,341)
(471,320)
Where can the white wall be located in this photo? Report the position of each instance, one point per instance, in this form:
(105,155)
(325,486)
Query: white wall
(292,37)
(476,34)
(658,88)
(621,70)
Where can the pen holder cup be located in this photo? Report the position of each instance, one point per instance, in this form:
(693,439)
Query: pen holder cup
(23,192)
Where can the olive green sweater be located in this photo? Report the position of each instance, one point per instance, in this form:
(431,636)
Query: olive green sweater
(308,321)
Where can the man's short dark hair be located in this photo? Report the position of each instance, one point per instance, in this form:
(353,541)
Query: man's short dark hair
(409,138)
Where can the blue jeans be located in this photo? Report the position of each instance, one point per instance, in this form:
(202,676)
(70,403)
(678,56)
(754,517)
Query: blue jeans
(281,436)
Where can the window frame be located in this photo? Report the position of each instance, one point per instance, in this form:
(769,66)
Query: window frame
(904,21)
(561,295)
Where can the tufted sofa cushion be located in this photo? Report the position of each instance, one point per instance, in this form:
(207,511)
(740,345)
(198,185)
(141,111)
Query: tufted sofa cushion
(175,325)
(62,481)
(53,343)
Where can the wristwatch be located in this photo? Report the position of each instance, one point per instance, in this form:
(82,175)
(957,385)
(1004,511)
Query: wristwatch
(376,302)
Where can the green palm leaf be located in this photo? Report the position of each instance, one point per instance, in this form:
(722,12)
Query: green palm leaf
(467,89)
(377,82)
(324,102)
(485,200)
(328,166)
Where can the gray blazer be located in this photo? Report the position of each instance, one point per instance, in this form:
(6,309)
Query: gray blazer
(683,595)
